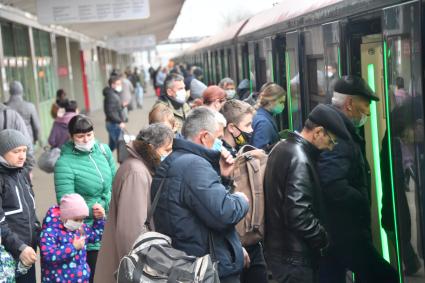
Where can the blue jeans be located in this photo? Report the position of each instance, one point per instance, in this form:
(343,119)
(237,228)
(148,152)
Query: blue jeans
(114,132)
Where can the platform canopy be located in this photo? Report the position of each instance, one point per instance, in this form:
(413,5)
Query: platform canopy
(163,17)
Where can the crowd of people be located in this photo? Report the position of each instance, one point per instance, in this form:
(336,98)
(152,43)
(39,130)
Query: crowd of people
(316,183)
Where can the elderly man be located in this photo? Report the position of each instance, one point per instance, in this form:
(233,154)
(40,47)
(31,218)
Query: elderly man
(345,178)
(228,85)
(174,96)
(296,237)
(194,205)
(25,109)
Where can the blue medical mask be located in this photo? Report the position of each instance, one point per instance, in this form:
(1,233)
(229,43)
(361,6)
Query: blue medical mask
(217,145)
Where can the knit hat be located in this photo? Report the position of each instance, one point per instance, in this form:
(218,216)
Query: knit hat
(16,87)
(73,206)
(10,139)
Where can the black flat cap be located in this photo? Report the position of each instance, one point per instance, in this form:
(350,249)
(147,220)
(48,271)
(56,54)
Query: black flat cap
(353,85)
(327,117)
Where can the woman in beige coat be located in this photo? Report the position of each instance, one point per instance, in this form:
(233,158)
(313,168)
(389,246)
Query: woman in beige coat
(131,198)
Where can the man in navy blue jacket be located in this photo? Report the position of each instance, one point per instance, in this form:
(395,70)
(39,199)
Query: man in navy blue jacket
(194,202)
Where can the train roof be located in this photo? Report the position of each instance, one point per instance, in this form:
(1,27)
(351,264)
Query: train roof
(284,11)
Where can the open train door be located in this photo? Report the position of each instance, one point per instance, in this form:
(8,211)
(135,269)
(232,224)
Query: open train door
(403,87)
(332,53)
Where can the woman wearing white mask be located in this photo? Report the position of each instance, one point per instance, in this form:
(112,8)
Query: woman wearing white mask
(131,197)
(85,167)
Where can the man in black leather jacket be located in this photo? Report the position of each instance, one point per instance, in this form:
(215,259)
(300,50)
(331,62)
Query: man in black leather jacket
(295,235)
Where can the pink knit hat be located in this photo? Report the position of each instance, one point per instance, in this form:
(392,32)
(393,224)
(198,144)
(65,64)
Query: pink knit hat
(73,206)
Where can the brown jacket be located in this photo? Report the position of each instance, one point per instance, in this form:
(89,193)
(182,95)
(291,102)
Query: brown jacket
(127,214)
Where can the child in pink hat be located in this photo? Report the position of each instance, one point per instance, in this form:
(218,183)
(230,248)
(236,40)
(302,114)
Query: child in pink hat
(63,240)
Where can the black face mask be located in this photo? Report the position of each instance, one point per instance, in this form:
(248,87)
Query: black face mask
(243,138)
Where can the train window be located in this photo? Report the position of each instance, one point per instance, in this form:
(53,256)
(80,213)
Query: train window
(17,59)
(315,73)
(260,65)
(405,138)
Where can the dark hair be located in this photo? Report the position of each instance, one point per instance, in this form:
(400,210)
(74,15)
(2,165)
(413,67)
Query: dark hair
(80,124)
(149,139)
(70,106)
(113,79)
(59,93)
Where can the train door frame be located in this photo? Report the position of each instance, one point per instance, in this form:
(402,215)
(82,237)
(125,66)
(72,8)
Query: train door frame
(294,43)
(279,74)
(396,25)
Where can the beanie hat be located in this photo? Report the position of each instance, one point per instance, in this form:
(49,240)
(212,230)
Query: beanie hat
(196,88)
(15,88)
(10,139)
(73,206)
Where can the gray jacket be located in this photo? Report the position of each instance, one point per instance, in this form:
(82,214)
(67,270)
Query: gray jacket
(28,113)
(15,121)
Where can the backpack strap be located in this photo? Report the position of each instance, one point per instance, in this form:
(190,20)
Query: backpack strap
(253,167)
(152,209)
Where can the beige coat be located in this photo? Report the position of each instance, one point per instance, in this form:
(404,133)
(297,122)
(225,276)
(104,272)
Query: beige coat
(127,214)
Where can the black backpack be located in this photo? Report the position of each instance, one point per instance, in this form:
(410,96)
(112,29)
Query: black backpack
(153,259)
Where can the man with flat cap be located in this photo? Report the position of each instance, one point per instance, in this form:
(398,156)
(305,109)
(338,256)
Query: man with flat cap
(296,237)
(346,184)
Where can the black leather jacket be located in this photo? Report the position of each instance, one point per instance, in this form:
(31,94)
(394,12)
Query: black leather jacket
(294,228)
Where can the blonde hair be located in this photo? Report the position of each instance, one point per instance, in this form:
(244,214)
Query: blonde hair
(234,111)
(270,94)
(161,113)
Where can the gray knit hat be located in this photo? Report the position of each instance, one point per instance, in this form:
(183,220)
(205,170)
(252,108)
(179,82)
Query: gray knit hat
(197,88)
(10,139)
(16,87)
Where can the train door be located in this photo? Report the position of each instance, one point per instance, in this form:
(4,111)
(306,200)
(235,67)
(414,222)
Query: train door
(405,136)
(294,77)
(332,53)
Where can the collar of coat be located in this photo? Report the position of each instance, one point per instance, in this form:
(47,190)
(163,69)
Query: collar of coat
(212,156)
(309,148)
(349,126)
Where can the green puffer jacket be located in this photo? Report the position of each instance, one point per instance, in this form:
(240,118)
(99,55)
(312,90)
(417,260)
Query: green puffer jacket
(89,174)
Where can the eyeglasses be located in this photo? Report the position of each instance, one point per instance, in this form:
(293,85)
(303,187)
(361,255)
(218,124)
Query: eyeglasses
(334,142)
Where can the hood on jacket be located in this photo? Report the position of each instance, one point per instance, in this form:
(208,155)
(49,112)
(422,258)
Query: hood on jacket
(244,84)
(108,91)
(197,88)
(65,118)
(53,214)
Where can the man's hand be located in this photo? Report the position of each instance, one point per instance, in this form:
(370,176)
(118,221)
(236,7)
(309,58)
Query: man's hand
(226,163)
(28,256)
(122,125)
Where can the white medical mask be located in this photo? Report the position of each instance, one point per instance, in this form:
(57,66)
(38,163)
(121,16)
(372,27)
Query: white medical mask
(118,88)
(163,156)
(72,225)
(180,96)
(330,74)
(361,122)
(230,93)
(86,147)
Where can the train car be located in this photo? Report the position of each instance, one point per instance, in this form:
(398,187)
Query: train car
(305,46)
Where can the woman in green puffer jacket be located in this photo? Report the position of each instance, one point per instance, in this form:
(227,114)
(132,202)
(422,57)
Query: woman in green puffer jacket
(85,167)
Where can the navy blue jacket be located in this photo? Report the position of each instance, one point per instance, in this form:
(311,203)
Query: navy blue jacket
(193,202)
(265,132)
(345,177)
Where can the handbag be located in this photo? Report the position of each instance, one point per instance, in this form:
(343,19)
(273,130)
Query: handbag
(7,266)
(124,138)
(48,158)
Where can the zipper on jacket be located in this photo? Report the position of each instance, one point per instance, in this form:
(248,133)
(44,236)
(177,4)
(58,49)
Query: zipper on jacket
(24,200)
(97,168)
